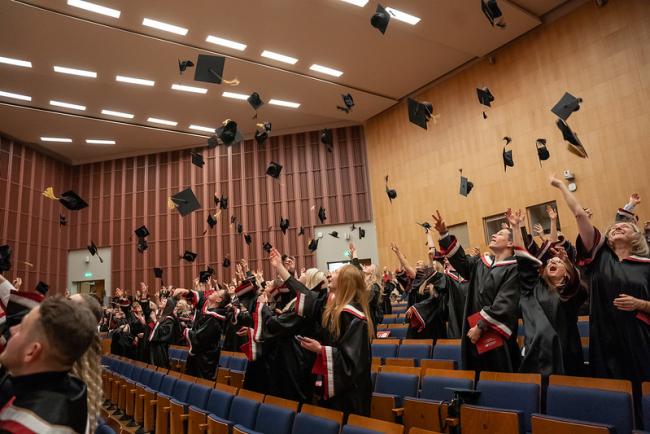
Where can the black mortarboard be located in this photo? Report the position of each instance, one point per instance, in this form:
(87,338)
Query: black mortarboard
(284,225)
(221,202)
(362,233)
(267,247)
(391,193)
(334,234)
(248,238)
(142,245)
(542,151)
(507,155)
(92,248)
(212,221)
(326,139)
(353,227)
(274,170)
(209,68)
(255,101)
(233,219)
(301,231)
(425,225)
(5,258)
(485,97)
(204,276)
(380,19)
(69,199)
(240,228)
(492,12)
(348,102)
(567,105)
(142,232)
(313,244)
(42,287)
(419,112)
(465,186)
(62,220)
(226,262)
(262,132)
(197,159)
(228,133)
(158,272)
(575,145)
(185,202)
(189,256)
(184,64)
(321,214)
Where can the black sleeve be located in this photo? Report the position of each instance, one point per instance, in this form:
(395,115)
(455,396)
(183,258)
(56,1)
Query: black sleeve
(462,262)
(356,263)
(527,270)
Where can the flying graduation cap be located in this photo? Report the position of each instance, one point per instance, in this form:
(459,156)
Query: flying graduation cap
(226,262)
(420,112)
(240,228)
(142,232)
(42,287)
(321,214)
(212,220)
(301,231)
(575,145)
(69,199)
(425,225)
(248,239)
(267,247)
(92,248)
(221,201)
(62,220)
(184,64)
(348,102)
(284,225)
(380,19)
(485,97)
(542,151)
(312,245)
(228,134)
(391,193)
(566,106)
(334,234)
(274,170)
(465,184)
(158,274)
(5,258)
(327,139)
(197,159)
(362,233)
(255,101)
(262,132)
(507,155)
(189,256)
(493,13)
(209,69)
(184,201)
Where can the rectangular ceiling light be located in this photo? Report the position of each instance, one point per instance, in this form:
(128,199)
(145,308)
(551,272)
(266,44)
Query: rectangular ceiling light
(326,70)
(15,96)
(162,122)
(117,114)
(235,95)
(100,142)
(92,7)
(15,62)
(56,139)
(73,71)
(133,80)
(192,89)
(67,105)
(225,43)
(201,128)
(360,3)
(284,103)
(164,26)
(279,57)
(403,16)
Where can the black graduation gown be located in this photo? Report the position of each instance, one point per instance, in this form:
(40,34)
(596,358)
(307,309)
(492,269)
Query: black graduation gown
(374,304)
(619,341)
(428,317)
(164,333)
(387,307)
(203,339)
(257,370)
(494,292)
(421,276)
(552,343)
(456,297)
(344,364)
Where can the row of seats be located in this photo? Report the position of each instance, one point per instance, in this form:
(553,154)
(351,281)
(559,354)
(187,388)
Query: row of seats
(416,352)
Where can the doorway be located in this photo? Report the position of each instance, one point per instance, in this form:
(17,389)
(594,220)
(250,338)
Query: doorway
(94,287)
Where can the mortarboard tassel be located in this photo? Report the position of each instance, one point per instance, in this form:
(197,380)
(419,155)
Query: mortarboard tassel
(49,193)
(170,203)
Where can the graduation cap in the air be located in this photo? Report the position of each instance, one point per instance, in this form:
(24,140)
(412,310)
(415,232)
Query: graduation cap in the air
(226,262)
(301,231)
(284,225)
(228,133)
(184,201)
(274,170)
(465,185)
(62,220)
(184,64)
(197,159)
(189,256)
(255,101)
(327,139)
(212,221)
(575,145)
(5,258)
(493,13)
(485,97)
(248,239)
(566,106)
(313,244)
(142,232)
(348,103)
(69,199)
(420,112)
(391,193)
(209,69)
(233,219)
(240,228)
(204,276)
(262,132)
(42,287)
(321,214)
(142,245)
(92,248)
(221,201)
(425,225)
(380,19)
(158,272)
(508,161)
(267,247)
(334,234)
(362,233)
(542,151)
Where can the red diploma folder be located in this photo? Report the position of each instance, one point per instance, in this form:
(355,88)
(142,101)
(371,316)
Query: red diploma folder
(643,317)
(489,339)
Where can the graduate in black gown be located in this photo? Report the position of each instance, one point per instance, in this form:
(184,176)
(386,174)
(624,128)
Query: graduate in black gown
(493,298)
(551,294)
(389,285)
(413,277)
(427,318)
(618,269)
(165,332)
(244,296)
(457,296)
(343,355)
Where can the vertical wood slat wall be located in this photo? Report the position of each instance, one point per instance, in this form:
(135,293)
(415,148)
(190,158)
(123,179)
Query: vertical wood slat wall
(126,193)
(29,221)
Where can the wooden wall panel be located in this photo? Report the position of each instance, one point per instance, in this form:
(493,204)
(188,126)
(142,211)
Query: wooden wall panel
(600,54)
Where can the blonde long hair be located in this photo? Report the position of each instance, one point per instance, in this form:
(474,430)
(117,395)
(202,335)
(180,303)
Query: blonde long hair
(313,277)
(639,245)
(350,288)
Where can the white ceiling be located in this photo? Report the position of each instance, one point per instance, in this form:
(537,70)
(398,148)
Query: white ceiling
(378,70)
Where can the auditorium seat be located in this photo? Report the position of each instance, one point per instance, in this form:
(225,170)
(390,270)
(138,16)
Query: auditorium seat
(398,332)
(389,391)
(543,424)
(583,328)
(646,404)
(438,364)
(179,392)
(281,402)
(139,397)
(151,402)
(447,352)
(410,370)
(179,409)
(305,423)
(596,400)
(243,411)
(270,420)
(482,420)
(383,351)
(436,381)
(366,425)
(415,430)
(218,404)
(414,351)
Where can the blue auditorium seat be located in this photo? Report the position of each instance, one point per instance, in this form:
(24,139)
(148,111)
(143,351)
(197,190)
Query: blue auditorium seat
(435,387)
(447,352)
(238,364)
(309,424)
(396,385)
(351,429)
(271,419)
(384,350)
(524,397)
(583,329)
(398,333)
(414,351)
(243,411)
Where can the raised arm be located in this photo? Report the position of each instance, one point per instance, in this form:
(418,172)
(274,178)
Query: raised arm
(585,228)
(355,256)
(452,248)
(552,216)
(402,260)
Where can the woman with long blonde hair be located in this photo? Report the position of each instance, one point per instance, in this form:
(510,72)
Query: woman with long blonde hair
(343,356)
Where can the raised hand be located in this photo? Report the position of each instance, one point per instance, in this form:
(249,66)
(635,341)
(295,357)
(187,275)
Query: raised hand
(514,218)
(552,214)
(244,265)
(505,225)
(18,282)
(635,199)
(439,223)
(276,258)
(474,251)
(394,247)
(538,230)
(554,181)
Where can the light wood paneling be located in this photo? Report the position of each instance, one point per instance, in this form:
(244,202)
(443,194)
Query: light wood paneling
(599,54)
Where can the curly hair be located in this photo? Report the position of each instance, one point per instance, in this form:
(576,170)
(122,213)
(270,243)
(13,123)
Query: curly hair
(88,369)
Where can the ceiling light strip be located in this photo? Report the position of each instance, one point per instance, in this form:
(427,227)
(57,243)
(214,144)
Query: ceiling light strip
(403,16)
(74,71)
(117,114)
(67,105)
(191,89)
(360,3)
(225,43)
(15,96)
(279,57)
(92,7)
(202,128)
(235,95)
(100,142)
(166,27)
(162,122)
(56,139)
(282,103)
(326,70)
(15,62)
(133,80)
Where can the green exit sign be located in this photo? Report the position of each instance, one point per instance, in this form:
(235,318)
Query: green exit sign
(88,274)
